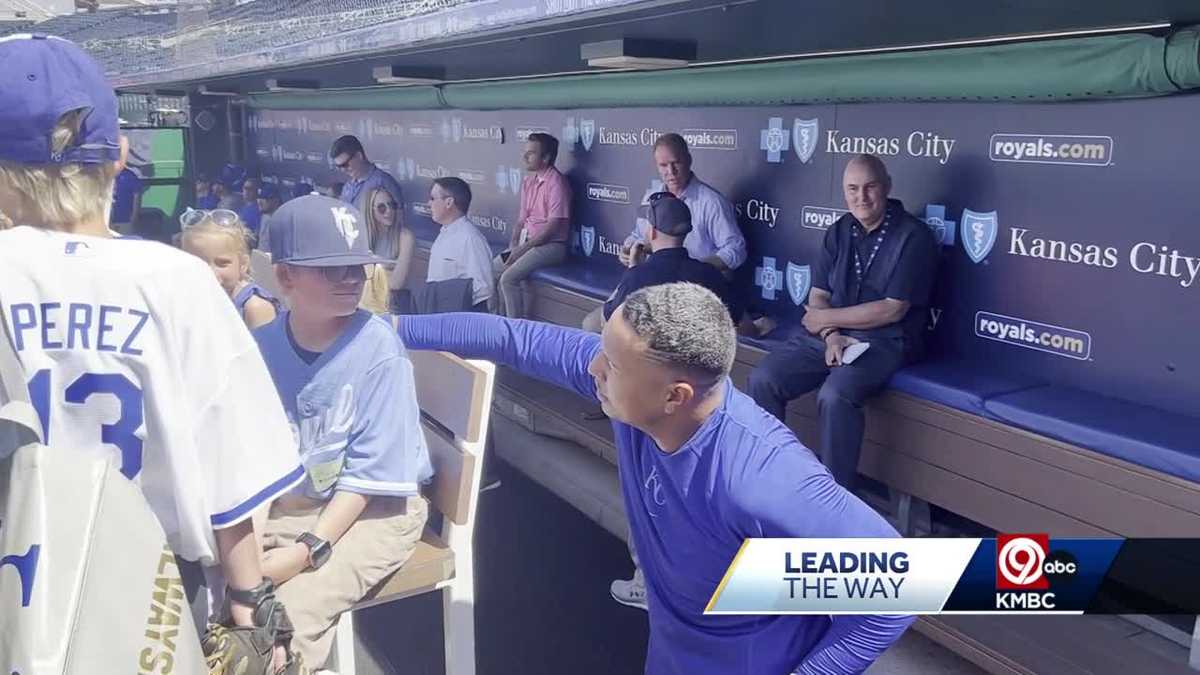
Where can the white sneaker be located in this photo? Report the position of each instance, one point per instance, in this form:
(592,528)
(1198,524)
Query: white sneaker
(631,593)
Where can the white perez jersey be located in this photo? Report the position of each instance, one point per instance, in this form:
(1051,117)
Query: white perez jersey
(131,348)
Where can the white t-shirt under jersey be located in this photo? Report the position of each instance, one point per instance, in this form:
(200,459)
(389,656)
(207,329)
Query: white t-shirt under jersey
(130,348)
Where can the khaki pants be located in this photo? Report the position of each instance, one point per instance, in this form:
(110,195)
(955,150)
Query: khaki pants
(376,545)
(508,300)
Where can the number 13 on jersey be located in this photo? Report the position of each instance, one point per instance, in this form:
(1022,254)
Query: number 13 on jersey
(121,434)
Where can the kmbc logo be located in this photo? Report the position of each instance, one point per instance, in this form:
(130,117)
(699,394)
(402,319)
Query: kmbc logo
(1020,562)
(1030,576)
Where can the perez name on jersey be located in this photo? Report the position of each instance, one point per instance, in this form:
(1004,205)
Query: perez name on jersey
(77,325)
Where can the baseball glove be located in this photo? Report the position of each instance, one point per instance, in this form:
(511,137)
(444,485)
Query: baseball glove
(249,650)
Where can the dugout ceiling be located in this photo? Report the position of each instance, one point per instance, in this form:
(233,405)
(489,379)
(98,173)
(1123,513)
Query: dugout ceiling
(726,30)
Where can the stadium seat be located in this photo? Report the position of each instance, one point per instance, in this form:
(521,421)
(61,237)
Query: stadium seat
(455,396)
(263,272)
(1153,438)
(594,281)
(958,383)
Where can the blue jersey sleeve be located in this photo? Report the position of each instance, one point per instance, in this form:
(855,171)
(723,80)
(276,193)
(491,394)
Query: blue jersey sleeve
(552,353)
(386,453)
(791,495)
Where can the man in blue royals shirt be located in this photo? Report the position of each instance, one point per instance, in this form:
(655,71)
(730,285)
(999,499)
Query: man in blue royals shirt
(702,468)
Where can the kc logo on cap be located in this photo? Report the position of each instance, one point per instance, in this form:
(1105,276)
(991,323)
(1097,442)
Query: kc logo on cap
(347,224)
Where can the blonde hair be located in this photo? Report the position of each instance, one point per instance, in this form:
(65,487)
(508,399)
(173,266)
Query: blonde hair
(236,233)
(377,231)
(61,195)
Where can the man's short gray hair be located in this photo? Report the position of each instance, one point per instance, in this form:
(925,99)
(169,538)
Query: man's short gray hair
(686,326)
(876,166)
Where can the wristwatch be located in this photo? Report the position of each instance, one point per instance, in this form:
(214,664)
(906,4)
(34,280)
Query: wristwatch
(251,597)
(319,550)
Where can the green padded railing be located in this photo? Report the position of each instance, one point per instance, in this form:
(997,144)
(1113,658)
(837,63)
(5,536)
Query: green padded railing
(1115,66)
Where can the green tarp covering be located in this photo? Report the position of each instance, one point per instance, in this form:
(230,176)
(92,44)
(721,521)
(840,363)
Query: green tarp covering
(1115,66)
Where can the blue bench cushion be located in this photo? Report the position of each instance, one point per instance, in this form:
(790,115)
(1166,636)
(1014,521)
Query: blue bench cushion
(1153,438)
(963,385)
(594,281)
(1149,437)
(960,384)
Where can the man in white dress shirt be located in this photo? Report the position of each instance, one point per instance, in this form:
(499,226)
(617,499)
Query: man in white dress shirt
(460,250)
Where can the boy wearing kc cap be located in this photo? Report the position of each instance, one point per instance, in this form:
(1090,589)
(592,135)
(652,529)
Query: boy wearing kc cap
(347,386)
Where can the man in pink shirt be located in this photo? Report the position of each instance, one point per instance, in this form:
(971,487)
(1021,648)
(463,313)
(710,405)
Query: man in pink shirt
(539,238)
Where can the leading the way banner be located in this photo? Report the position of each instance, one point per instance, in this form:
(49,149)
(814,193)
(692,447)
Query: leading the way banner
(1013,573)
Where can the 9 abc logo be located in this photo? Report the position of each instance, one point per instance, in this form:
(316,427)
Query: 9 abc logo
(1024,563)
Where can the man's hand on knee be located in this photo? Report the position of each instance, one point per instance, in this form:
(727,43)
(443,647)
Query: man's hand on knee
(835,344)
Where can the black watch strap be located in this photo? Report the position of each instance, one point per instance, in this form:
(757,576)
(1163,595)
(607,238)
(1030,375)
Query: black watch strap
(252,597)
(319,549)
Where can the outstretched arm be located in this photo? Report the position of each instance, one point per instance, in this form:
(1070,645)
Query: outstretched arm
(552,353)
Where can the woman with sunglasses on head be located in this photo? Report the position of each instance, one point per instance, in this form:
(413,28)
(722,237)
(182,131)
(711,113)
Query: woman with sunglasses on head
(220,240)
(390,240)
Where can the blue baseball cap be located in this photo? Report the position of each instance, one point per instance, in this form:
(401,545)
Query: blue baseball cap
(41,79)
(316,231)
(233,176)
(669,215)
(303,189)
(268,191)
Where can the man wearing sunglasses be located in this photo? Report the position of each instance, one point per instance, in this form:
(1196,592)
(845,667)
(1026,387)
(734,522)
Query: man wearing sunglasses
(363,176)
(715,237)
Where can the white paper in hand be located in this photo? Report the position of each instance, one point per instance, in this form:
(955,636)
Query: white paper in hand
(849,354)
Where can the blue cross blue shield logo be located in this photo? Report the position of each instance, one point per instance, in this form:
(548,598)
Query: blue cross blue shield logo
(943,230)
(587,239)
(514,179)
(799,280)
(446,130)
(774,140)
(456,125)
(769,278)
(587,132)
(979,233)
(804,138)
(412,168)
(502,179)
(570,132)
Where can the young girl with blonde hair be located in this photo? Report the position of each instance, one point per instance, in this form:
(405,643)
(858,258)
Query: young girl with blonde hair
(220,240)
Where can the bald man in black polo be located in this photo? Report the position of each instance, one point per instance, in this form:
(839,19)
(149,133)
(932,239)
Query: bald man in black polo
(872,284)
